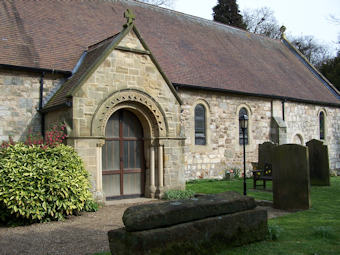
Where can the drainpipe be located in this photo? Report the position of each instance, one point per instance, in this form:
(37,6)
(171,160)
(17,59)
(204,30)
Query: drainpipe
(283,109)
(42,115)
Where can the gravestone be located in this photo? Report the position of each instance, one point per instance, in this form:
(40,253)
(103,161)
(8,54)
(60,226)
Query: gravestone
(266,154)
(291,183)
(318,163)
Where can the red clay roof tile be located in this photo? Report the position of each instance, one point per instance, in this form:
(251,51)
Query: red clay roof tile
(190,50)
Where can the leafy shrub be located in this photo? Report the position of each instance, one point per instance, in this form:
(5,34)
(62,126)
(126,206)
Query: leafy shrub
(178,194)
(237,172)
(42,183)
(274,232)
(53,137)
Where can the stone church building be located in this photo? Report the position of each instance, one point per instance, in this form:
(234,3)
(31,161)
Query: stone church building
(153,99)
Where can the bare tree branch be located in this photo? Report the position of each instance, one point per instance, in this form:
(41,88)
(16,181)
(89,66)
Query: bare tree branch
(333,19)
(316,53)
(167,3)
(262,21)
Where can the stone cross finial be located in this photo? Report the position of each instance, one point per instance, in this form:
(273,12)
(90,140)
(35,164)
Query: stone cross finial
(130,17)
(282,30)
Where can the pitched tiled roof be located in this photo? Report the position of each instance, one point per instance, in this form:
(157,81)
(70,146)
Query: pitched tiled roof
(88,60)
(190,50)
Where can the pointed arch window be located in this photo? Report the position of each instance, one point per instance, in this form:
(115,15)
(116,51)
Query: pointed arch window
(322,125)
(200,127)
(243,111)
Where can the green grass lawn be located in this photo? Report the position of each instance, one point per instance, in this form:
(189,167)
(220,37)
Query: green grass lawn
(312,232)
(213,187)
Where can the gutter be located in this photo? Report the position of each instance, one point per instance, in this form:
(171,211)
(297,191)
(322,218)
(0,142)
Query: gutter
(67,104)
(35,69)
(194,87)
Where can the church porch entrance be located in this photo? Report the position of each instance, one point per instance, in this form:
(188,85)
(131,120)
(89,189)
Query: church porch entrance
(123,157)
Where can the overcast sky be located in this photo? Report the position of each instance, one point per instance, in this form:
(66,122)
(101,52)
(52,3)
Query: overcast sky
(301,17)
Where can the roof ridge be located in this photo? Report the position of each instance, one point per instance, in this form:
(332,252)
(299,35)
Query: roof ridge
(194,18)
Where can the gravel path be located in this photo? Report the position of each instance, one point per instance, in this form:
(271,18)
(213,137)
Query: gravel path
(86,234)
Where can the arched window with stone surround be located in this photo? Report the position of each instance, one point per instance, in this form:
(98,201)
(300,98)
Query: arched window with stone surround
(200,125)
(243,111)
(322,125)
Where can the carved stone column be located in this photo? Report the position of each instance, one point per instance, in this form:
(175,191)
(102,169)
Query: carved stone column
(160,170)
(152,187)
(99,179)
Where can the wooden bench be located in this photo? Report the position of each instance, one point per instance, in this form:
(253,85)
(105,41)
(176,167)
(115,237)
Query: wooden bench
(263,175)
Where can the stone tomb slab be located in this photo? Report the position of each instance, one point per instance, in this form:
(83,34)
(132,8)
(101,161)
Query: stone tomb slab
(150,216)
(191,237)
(189,226)
(291,184)
(318,163)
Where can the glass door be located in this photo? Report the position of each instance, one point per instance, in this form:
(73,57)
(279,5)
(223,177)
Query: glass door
(123,157)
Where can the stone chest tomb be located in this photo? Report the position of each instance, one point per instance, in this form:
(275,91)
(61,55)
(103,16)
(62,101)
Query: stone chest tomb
(179,226)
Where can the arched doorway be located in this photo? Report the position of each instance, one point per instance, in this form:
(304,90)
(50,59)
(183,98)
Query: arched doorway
(123,161)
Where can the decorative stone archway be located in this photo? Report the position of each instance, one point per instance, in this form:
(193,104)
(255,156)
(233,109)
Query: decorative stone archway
(154,125)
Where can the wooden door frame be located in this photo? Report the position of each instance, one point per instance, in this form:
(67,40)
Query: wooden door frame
(123,171)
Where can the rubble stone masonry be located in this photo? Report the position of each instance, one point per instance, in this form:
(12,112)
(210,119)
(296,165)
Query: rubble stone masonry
(19,101)
(223,150)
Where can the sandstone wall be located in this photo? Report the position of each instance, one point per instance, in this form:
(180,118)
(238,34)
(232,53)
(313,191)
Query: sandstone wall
(132,74)
(303,120)
(124,70)
(19,101)
(223,150)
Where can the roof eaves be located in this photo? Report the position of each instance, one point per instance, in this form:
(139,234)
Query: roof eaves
(65,105)
(299,100)
(35,69)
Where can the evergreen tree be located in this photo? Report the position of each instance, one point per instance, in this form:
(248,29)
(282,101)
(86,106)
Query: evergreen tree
(331,70)
(227,12)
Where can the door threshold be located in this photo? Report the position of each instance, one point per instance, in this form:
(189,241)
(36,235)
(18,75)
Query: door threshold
(136,200)
(123,197)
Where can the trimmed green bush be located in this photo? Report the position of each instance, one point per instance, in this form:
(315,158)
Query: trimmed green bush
(178,194)
(42,184)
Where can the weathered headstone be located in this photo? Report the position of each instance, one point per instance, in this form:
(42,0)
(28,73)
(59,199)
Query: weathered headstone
(186,226)
(266,154)
(291,184)
(318,163)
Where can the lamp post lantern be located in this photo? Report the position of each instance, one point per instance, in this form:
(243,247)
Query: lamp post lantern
(244,125)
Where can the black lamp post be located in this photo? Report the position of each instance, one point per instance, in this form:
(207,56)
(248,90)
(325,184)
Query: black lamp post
(244,125)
